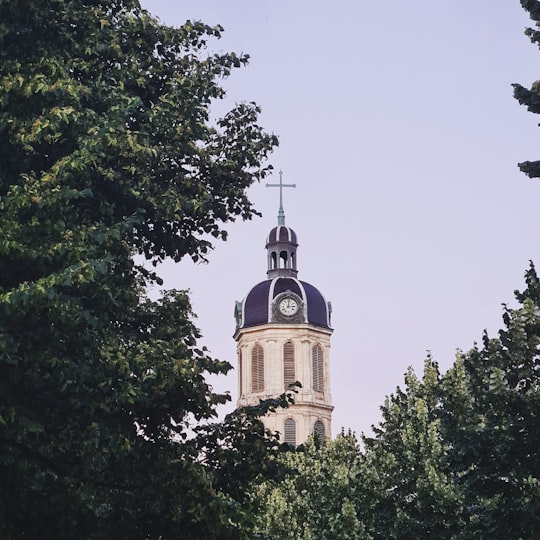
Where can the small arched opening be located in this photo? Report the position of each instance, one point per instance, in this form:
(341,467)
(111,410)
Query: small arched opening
(319,431)
(289,431)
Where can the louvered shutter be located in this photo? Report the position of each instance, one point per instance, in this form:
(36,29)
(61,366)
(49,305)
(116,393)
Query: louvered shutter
(289,372)
(318,376)
(289,431)
(257,369)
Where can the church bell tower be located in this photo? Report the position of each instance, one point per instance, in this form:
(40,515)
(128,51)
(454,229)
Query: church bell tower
(283,335)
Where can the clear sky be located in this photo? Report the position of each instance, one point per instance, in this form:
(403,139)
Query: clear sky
(397,123)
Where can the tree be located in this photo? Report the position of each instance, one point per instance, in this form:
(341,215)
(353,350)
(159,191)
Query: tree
(490,415)
(408,489)
(530,97)
(108,151)
(457,456)
(318,498)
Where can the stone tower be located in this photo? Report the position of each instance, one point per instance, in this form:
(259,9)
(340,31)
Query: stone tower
(283,334)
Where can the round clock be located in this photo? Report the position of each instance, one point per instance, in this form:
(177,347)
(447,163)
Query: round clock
(288,306)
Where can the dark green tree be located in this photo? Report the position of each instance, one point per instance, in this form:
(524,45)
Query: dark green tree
(108,151)
(530,97)
(458,456)
(490,418)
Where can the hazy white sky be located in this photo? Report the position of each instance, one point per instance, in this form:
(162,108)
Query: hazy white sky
(397,123)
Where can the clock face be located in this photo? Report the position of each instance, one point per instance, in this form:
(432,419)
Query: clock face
(288,306)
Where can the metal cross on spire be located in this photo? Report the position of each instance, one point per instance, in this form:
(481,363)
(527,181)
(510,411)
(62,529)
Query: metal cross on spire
(281,185)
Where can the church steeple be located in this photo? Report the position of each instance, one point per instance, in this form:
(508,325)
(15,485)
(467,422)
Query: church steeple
(281,242)
(283,333)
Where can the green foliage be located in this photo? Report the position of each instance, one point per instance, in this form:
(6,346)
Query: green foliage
(408,490)
(108,151)
(490,417)
(530,97)
(318,499)
(458,456)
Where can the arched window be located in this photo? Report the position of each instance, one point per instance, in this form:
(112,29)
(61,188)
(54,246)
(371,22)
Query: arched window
(257,369)
(318,430)
(289,372)
(283,260)
(289,431)
(318,375)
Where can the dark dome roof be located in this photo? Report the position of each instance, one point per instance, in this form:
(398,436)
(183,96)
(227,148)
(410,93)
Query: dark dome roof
(256,306)
(281,233)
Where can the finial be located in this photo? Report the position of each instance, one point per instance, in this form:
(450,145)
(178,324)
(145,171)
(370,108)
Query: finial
(281,185)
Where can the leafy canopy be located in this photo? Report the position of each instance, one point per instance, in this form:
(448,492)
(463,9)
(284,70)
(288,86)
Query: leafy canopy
(108,150)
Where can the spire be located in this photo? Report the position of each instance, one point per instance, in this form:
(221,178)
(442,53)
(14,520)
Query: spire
(281,243)
(281,185)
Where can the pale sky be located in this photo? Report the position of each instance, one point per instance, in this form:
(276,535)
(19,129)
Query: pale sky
(397,123)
